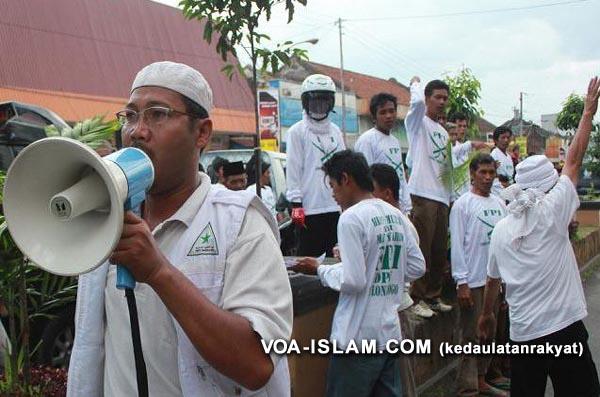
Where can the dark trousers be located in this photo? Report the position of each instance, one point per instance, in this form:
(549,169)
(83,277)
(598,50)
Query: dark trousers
(375,375)
(430,218)
(319,235)
(572,376)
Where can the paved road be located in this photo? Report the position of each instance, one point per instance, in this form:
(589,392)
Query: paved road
(446,386)
(591,288)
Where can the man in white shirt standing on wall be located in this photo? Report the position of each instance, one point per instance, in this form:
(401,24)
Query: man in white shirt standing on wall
(531,253)
(378,145)
(430,197)
(379,253)
(472,220)
(310,143)
(502,136)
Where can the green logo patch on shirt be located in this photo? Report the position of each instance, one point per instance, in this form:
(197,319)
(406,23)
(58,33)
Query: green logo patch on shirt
(490,217)
(205,244)
(439,147)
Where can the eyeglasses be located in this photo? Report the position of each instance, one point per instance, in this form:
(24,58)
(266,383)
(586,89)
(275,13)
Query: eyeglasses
(154,116)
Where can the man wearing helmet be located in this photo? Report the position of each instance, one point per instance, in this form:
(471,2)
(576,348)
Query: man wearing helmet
(310,143)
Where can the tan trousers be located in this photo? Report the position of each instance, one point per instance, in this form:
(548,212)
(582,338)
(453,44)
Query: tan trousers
(431,221)
(407,362)
(471,366)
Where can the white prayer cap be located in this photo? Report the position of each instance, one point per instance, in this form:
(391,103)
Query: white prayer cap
(536,172)
(178,77)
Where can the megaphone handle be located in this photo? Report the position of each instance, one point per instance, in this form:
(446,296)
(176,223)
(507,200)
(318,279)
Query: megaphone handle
(124,277)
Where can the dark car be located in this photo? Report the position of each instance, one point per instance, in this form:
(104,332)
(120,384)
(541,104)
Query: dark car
(20,125)
(588,184)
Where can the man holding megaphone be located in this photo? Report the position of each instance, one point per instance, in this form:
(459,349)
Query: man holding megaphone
(211,280)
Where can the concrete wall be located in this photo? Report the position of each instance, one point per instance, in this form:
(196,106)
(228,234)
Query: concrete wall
(587,248)
(309,372)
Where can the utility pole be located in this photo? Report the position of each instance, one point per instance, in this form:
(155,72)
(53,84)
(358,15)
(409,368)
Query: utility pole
(520,113)
(339,22)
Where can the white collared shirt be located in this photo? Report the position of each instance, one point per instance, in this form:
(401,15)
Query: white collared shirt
(158,335)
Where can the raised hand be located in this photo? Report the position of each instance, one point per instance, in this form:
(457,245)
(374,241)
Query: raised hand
(591,99)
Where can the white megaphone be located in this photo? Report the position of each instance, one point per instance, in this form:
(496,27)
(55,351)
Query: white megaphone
(64,204)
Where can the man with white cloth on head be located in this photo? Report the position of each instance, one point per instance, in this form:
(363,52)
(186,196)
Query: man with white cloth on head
(531,253)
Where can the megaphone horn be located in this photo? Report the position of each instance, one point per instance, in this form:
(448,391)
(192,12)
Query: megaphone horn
(64,204)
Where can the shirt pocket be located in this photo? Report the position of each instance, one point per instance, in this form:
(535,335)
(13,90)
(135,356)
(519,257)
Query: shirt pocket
(224,386)
(203,274)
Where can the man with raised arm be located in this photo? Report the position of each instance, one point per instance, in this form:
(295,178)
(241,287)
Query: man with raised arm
(430,197)
(531,253)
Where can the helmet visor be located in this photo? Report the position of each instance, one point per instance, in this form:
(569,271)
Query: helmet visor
(320,103)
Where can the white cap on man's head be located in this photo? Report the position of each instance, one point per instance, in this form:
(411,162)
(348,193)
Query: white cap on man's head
(177,77)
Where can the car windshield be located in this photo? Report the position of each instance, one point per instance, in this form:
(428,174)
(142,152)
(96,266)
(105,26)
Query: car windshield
(231,155)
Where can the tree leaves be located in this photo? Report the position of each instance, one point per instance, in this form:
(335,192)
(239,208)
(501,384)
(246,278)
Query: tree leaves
(93,132)
(464,97)
(570,115)
(236,22)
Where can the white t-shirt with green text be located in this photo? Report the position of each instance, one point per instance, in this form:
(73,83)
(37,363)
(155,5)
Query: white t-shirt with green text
(379,254)
(472,221)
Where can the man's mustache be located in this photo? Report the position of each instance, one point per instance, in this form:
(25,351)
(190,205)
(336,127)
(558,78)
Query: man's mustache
(139,145)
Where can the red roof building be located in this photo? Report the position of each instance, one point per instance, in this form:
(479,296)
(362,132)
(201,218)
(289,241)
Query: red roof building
(79,58)
(365,86)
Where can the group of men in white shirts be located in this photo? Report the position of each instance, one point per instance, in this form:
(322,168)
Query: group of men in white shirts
(543,292)
(212,282)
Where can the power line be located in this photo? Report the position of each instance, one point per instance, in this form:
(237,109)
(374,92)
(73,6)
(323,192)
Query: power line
(313,32)
(476,12)
(390,49)
(386,58)
(392,62)
(421,67)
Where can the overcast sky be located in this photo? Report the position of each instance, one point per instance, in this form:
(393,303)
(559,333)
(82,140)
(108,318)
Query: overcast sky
(545,48)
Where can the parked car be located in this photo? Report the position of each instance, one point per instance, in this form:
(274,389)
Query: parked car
(588,184)
(20,125)
(277,160)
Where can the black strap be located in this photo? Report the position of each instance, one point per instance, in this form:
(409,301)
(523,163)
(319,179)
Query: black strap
(140,364)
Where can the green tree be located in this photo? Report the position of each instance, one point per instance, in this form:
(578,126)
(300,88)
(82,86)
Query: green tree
(570,114)
(593,153)
(464,97)
(568,120)
(237,23)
